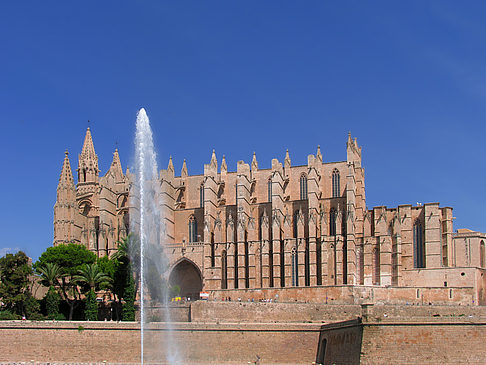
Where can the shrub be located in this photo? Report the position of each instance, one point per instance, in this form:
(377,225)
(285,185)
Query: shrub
(6,315)
(91,311)
(52,303)
(128,309)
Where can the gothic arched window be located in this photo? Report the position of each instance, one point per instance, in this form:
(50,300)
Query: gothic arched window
(335,184)
(269,189)
(303,187)
(482,253)
(418,245)
(192,229)
(224,270)
(201,196)
(332,222)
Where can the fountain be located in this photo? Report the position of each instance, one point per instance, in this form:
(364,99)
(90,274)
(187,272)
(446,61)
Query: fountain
(152,266)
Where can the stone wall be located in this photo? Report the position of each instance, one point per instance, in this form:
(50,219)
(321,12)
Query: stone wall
(423,343)
(69,342)
(78,342)
(248,312)
(439,342)
(347,294)
(245,312)
(285,333)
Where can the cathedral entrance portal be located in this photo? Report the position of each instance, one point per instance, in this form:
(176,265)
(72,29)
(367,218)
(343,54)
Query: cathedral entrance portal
(188,277)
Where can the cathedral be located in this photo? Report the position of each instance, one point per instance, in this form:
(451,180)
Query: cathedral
(288,233)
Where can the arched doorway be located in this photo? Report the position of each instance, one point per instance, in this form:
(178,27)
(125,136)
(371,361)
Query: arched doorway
(188,277)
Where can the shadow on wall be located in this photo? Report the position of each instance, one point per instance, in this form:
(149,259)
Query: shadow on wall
(340,343)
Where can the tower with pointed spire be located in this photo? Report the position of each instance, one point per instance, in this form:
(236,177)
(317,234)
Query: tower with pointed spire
(65,208)
(94,212)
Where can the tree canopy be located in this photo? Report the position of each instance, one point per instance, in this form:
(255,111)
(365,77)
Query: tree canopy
(92,277)
(14,281)
(71,257)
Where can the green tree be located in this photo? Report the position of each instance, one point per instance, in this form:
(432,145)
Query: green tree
(91,309)
(15,274)
(53,299)
(70,258)
(107,265)
(91,278)
(124,282)
(50,274)
(128,309)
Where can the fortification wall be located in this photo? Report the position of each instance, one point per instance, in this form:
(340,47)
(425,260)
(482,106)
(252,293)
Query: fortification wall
(245,312)
(221,332)
(347,294)
(70,342)
(439,342)
(423,343)
(119,343)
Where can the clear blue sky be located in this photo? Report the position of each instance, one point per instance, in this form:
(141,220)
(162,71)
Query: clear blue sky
(407,78)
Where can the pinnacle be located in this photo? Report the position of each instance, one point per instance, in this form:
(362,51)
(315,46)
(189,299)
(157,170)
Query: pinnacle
(254,162)
(66,176)
(88,150)
(214,161)
(224,167)
(170,166)
(116,163)
(184,169)
(287,158)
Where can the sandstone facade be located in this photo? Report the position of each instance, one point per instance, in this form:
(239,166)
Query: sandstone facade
(278,229)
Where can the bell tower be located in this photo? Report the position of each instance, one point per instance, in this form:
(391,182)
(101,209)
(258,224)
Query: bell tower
(87,192)
(65,207)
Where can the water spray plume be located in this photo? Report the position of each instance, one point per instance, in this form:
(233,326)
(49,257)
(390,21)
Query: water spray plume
(147,228)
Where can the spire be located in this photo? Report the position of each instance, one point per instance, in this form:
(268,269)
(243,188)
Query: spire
(350,140)
(224,167)
(184,169)
(88,147)
(254,163)
(214,161)
(318,154)
(88,161)
(66,179)
(287,159)
(170,166)
(116,166)
(65,206)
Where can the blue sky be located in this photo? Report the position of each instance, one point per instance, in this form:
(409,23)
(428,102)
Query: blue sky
(408,79)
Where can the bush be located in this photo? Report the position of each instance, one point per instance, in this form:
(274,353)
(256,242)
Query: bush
(32,307)
(91,311)
(36,317)
(6,315)
(52,300)
(128,309)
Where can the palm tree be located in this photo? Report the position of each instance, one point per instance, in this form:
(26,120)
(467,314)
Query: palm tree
(123,252)
(92,276)
(50,274)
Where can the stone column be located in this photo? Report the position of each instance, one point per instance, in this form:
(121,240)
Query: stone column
(433,249)
(231,253)
(265,245)
(301,243)
(277,218)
